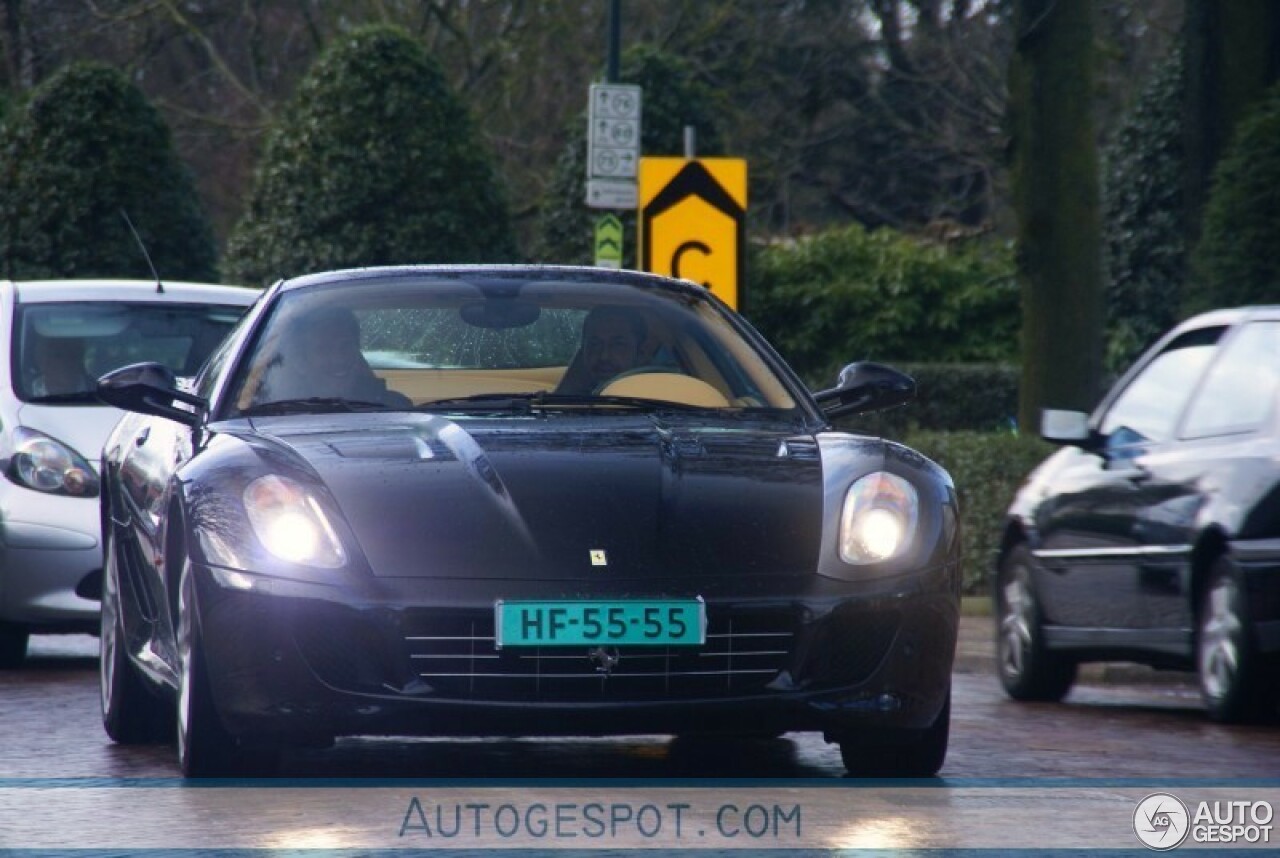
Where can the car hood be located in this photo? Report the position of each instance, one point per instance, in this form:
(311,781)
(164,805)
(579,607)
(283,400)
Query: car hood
(566,497)
(83,427)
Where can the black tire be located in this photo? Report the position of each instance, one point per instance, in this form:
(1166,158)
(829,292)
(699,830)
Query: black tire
(899,753)
(1028,669)
(131,714)
(13,645)
(205,748)
(1234,677)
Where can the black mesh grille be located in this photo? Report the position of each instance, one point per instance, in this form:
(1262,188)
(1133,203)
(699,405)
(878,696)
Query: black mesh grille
(456,656)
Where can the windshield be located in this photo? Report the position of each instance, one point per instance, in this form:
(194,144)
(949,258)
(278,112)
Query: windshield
(60,349)
(454,344)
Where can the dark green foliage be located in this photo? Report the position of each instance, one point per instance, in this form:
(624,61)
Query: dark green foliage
(673,98)
(84,147)
(374,162)
(1237,262)
(1145,216)
(949,398)
(987,469)
(849,294)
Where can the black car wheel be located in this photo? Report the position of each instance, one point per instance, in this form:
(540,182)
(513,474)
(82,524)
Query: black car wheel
(1028,669)
(205,747)
(13,645)
(1232,672)
(899,753)
(130,713)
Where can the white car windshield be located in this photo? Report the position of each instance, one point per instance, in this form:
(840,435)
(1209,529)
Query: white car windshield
(60,349)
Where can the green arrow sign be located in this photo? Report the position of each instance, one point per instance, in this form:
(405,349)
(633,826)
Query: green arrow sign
(608,242)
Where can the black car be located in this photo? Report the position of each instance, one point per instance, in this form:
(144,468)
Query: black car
(1154,534)
(517,501)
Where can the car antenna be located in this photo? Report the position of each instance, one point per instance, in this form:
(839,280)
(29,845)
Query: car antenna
(143,248)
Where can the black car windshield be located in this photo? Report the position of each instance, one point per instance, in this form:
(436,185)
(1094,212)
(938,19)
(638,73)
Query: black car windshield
(458,343)
(61,348)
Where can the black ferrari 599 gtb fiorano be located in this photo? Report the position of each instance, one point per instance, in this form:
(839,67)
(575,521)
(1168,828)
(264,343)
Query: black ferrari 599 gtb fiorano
(500,500)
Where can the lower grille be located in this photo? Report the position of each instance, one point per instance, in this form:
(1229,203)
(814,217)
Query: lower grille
(456,656)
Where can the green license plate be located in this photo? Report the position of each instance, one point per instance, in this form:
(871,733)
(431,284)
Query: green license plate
(649,622)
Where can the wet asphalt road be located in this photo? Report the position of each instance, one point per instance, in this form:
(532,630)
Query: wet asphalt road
(50,728)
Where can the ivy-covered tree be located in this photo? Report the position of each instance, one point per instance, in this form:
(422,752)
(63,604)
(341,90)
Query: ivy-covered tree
(1144,213)
(85,147)
(374,162)
(673,98)
(1236,259)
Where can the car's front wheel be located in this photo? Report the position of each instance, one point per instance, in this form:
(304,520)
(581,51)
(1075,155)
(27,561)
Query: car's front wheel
(1233,674)
(1028,669)
(13,645)
(205,747)
(130,713)
(899,753)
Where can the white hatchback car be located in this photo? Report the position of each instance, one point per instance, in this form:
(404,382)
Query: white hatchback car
(56,338)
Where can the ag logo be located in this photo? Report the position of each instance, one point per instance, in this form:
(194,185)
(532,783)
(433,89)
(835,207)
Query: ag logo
(1161,821)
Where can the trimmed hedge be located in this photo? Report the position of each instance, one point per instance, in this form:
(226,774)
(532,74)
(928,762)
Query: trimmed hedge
(949,398)
(848,294)
(987,469)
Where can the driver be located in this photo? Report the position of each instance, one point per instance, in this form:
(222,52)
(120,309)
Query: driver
(613,341)
(321,357)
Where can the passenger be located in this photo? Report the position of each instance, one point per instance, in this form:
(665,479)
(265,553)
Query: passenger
(58,364)
(320,357)
(613,341)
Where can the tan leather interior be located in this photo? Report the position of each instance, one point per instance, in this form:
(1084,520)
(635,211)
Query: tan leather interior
(425,385)
(667,387)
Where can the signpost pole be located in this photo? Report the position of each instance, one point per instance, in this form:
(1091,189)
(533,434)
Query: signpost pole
(615,40)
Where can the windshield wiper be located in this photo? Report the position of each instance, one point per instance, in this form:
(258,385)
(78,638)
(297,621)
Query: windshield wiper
(76,396)
(312,404)
(525,403)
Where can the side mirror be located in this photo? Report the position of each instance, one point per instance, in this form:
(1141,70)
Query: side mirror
(150,388)
(863,387)
(1064,427)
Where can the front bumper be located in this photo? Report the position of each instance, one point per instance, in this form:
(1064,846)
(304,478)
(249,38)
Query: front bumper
(297,662)
(50,560)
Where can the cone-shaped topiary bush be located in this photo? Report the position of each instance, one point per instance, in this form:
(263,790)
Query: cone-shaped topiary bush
(86,146)
(374,162)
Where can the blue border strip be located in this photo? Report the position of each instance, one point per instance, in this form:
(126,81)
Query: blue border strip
(637,783)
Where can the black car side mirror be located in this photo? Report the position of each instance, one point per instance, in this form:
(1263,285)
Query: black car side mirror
(863,387)
(150,388)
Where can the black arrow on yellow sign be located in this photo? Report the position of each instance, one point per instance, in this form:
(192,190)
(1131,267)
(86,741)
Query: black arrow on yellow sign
(693,180)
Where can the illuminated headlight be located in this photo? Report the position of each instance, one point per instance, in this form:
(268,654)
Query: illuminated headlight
(879,518)
(290,523)
(48,465)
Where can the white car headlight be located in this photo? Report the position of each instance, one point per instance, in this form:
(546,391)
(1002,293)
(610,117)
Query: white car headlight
(879,518)
(291,523)
(48,465)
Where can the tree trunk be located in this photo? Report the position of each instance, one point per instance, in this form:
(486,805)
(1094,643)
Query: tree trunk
(1055,175)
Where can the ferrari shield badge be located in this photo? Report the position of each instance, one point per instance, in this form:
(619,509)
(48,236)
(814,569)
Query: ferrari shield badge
(598,557)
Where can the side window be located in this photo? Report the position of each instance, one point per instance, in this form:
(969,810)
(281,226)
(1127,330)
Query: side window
(1238,393)
(217,362)
(1149,407)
